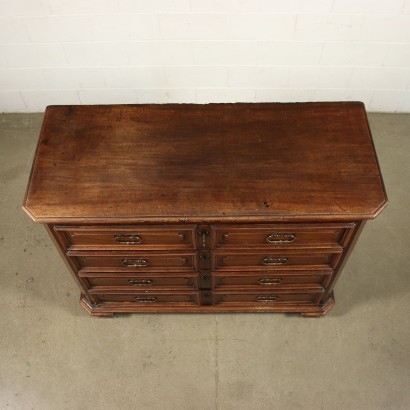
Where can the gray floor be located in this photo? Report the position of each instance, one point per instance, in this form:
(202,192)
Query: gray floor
(54,356)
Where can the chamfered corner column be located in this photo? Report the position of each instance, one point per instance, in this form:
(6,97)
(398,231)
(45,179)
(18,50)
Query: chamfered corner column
(93,310)
(323,309)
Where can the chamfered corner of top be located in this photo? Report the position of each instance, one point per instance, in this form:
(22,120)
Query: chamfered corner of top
(380,208)
(27,211)
(56,107)
(360,105)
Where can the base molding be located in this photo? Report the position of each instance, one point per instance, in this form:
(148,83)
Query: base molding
(93,309)
(109,309)
(324,308)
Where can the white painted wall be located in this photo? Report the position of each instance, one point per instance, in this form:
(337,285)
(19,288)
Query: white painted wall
(159,51)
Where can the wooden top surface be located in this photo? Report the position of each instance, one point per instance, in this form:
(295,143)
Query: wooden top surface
(216,162)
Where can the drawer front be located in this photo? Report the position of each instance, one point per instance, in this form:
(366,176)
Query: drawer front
(264,261)
(135,262)
(286,236)
(266,298)
(127,237)
(135,282)
(152,298)
(267,280)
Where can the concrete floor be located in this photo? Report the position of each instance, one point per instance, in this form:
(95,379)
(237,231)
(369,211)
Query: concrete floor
(54,356)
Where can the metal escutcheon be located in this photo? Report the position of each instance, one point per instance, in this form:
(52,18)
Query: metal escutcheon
(135,263)
(145,299)
(128,239)
(274,261)
(271,298)
(270,281)
(278,238)
(140,282)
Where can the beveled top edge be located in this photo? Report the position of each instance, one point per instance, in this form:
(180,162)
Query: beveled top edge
(209,218)
(359,103)
(271,218)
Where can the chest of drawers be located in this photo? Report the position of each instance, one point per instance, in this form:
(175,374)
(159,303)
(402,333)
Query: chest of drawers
(205,208)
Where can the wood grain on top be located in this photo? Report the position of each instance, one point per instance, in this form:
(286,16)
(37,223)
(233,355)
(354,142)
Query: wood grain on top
(216,162)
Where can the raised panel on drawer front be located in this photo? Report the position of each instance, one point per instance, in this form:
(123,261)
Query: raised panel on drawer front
(151,299)
(132,261)
(264,298)
(271,280)
(124,237)
(99,282)
(273,236)
(320,258)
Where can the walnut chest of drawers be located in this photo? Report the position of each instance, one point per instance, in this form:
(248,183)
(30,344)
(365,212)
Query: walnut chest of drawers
(205,208)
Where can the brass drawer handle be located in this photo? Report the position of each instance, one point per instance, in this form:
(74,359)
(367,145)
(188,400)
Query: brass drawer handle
(271,298)
(278,238)
(129,239)
(140,282)
(135,263)
(271,261)
(270,281)
(145,299)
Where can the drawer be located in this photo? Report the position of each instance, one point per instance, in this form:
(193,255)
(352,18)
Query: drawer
(151,298)
(281,235)
(321,258)
(264,298)
(98,282)
(125,262)
(154,237)
(265,280)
